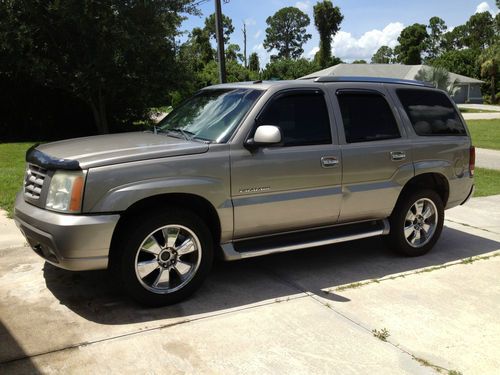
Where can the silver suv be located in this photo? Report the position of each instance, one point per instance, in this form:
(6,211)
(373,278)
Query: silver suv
(249,169)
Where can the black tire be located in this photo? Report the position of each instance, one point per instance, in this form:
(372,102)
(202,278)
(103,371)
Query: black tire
(397,239)
(145,230)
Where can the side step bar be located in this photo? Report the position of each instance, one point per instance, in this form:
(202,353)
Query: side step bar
(303,239)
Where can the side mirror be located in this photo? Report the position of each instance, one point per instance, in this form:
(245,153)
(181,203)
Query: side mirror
(265,135)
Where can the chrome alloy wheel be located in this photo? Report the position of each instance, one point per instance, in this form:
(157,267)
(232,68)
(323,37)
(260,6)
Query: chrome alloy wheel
(420,222)
(168,259)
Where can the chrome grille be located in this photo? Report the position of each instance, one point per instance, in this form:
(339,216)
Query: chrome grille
(33,181)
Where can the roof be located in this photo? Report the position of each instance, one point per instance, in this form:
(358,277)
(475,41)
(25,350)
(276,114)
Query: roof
(398,71)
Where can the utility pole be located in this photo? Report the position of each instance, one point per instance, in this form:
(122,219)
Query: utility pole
(245,44)
(220,42)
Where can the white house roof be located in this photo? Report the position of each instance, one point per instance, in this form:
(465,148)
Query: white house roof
(382,70)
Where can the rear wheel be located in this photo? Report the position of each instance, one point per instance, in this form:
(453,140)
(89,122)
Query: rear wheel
(416,223)
(165,257)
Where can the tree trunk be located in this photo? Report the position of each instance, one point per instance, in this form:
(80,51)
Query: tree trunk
(493,89)
(99,111)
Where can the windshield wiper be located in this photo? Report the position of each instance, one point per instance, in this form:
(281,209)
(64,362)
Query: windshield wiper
(187,135)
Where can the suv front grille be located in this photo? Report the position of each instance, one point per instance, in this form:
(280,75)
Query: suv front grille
(33,181)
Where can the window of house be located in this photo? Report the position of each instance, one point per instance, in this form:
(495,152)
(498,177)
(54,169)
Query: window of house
(302,118)
(366,117)
(431,112)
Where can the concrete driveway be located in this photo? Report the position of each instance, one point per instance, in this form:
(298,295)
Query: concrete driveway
(310,311)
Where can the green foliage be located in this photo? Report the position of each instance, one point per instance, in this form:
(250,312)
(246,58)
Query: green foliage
(254,63)
(233,53)
(234,72)
(437,27)
(461,61)
(454,39)
(289,69)
(286,32)
(412,43)
(227,27)
(359,62)
(118,57)
(480,30)
(489,61)
(384,55)
(327,20)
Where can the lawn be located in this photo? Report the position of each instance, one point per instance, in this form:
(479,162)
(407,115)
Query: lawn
(469,110)
(487,182)
(12,172)
(485,133)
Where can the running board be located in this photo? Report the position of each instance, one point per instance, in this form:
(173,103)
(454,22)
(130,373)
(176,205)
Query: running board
(303,239)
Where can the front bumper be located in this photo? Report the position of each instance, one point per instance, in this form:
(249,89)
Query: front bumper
(72,242)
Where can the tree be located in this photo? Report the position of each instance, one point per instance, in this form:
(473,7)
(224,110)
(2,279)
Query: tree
(384,55)
(327,20)
(289,69)
(253,62)
(233,53)
(437,27)
(490,67)
(227,27)
(460,61)
(201,49)
(455,39)
(411,44)
(286,32)
(480,30)
(235,73)
(440,77)
(359,62)
(117,57)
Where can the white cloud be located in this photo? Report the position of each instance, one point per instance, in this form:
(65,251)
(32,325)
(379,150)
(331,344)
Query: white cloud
(257,34)
(303,5)
(485,7)
(250,22)
(264,56)
(313,52)
(350,48)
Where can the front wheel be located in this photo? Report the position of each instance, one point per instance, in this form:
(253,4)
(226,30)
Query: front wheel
(416,223)
(165,257)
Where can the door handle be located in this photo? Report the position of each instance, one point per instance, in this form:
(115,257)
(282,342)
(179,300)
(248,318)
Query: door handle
(329,161)
(398,155)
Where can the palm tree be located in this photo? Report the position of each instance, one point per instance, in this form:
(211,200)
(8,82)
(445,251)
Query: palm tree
(490,62)
(438,76)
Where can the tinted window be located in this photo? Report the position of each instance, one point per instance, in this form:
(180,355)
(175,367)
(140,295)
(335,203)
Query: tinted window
(303,119)
(366,117)
(431,112)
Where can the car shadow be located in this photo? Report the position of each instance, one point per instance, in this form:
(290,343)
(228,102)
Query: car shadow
(231,285)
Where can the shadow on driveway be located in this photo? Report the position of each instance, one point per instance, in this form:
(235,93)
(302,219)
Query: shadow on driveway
(237,284)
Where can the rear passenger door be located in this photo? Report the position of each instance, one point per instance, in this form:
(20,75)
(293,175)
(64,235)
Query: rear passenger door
(376,153)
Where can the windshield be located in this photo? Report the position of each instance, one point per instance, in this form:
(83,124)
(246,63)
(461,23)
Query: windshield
(210,115)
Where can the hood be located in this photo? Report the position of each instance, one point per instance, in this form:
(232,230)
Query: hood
(109,149)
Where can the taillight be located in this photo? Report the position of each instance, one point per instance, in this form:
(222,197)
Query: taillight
(472,160)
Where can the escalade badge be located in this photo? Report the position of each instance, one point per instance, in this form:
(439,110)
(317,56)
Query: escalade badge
(255,189)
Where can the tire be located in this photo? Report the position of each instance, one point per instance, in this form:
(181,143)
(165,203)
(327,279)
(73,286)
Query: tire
(164,257)
(422,214)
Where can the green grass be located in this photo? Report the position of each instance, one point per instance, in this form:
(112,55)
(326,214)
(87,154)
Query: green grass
(469,110)
(485,133)
(487,182)
(11,172)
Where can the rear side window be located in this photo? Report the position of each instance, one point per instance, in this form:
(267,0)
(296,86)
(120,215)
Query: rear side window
(302,118)
(431,112)
(366,117)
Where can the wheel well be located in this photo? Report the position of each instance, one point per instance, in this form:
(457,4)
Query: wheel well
(434,181)
(200,206)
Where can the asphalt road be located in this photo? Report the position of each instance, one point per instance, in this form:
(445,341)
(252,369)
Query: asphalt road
(290,313)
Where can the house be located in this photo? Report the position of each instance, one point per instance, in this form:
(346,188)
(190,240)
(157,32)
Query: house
(468,89)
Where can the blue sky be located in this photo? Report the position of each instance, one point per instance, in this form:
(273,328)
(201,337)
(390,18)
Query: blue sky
(367,25)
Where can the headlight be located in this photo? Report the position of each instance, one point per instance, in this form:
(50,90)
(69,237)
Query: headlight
(66,191)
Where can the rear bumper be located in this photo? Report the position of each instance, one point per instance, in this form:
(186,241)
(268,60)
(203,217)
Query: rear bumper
(72,242)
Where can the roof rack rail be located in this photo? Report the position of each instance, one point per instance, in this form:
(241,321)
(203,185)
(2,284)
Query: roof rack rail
(373,79)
